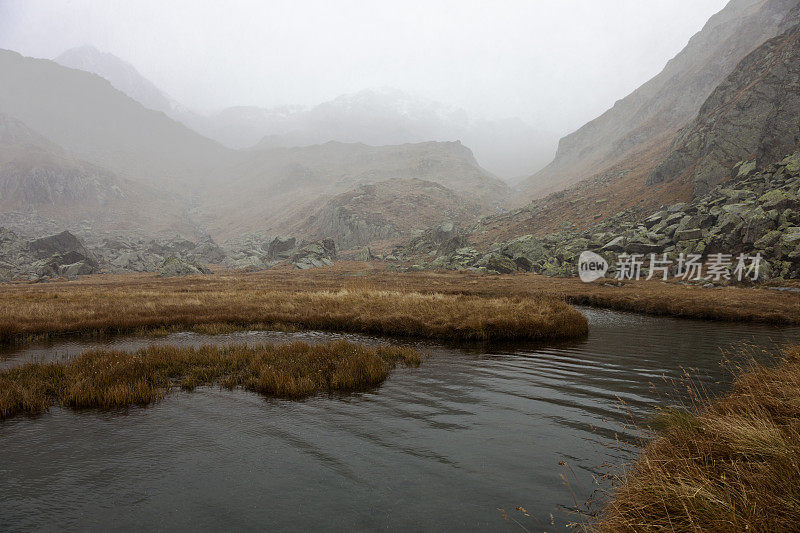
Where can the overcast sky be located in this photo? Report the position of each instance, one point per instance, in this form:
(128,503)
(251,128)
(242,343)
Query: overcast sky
(553,63)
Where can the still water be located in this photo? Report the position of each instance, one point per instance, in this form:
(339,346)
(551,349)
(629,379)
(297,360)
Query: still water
(475,429)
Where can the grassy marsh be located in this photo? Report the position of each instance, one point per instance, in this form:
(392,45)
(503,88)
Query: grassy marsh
(114,379)
(137,303)
(358,298)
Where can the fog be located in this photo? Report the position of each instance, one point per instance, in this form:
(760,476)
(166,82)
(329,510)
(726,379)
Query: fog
(554,64)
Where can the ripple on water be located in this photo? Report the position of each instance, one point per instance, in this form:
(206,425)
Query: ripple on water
(476,428)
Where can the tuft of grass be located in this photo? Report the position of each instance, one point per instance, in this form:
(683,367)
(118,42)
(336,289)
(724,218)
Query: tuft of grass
(732,464)
(114,379)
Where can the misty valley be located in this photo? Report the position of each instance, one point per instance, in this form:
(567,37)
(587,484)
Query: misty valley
(335,266)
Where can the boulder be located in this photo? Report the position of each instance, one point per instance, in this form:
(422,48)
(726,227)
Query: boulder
(767,240)
(654,219)
(642,248)
(247,263)
(208,251)
(175,266)
(329,245)
(498,263)
(281,247)
(74,270)
(365,254)
(756,227)
(61,244)
(315,254)
(617,244)
(688,234)
(729,223)
(53,254)
(777,199)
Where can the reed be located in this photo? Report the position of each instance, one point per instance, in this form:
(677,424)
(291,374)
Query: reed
(731,464)
(115,379)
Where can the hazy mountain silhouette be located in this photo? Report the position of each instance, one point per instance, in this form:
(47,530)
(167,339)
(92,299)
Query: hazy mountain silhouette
(384,117)
(86,115)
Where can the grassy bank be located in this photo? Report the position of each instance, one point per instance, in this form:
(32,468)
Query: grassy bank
(135,303)
(732,465)
(113,379)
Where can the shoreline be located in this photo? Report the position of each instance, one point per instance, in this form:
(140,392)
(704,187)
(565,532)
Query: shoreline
(726,464)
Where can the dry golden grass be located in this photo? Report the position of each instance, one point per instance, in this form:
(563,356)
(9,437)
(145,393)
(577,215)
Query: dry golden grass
(133,303)
(113,379)
(732,465)
(357,297)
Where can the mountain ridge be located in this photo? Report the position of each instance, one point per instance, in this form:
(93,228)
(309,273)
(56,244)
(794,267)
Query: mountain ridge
(752,115)
(668,100)
(115,131)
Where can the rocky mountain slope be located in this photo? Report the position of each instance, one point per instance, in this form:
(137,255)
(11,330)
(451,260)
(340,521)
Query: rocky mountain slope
(88,117)
(648,117)
(753,114)
(273,190)
(753,213)
(385,211)
(40,181)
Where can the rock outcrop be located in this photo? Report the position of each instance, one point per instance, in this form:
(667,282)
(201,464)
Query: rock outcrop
(176,266)
(41,181)
(753,115)
(349,192)
(315,254)
(62,255)
(281,248)
(130,254)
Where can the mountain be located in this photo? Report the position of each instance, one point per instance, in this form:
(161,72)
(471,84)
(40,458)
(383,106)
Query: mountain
(122,75)
(754,114)
(651,115)
(508,147)
(273,190)
(384,117)
(87,116)
(245,126)
(41,184)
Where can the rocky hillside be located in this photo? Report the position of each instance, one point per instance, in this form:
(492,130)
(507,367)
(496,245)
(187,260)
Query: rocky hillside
(669,100)
(273,191)
(753,213)
(386,210)
(753,114)
(41,181)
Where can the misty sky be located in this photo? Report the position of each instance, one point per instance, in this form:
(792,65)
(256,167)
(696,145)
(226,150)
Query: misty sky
(553,63)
